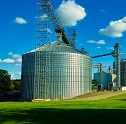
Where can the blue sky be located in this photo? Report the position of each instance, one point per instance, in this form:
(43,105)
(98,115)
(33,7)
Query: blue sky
(101,25)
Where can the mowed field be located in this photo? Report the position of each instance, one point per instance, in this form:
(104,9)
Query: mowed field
(110,110)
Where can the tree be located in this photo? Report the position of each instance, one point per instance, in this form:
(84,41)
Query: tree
(17,85)
(5,80)
(11,87)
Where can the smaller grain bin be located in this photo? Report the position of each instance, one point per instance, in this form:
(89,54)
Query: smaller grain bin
(103,79)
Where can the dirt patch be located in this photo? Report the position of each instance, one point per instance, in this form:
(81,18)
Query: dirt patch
(98,95)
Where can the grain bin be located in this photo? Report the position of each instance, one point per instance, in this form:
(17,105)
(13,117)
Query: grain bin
(123,72)
(103,79)
(63,72)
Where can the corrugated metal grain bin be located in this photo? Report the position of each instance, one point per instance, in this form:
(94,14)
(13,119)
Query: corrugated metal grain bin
(60,72)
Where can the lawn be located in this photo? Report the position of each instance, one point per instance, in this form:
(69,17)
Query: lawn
(105,111)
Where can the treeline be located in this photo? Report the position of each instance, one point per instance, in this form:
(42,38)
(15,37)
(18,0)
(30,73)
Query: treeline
(6,84)
(15,85)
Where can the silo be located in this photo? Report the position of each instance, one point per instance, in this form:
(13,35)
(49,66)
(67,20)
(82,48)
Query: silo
(123,72)
(103,79)
(64,72)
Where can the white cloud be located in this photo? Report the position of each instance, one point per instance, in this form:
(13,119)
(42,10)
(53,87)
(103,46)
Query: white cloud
(70,13)
(17,64)
(15,59)
(115,28)
(15,75)
(19,20)
(98,47)
(18,60)
(91,41)
(17,56)
(12,75)
(9,61)
(102,42)
(124,19)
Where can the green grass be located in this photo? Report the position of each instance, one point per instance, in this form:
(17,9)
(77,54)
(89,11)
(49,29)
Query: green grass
(105,111)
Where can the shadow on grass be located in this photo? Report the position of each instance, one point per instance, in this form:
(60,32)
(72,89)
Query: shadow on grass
(121,100)
(64,116)
(9,99)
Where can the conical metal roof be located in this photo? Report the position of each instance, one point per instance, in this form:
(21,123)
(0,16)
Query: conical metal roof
(57,46)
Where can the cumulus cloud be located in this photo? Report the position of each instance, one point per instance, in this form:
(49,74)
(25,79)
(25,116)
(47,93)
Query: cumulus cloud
(9,61)
(15,59)
(12,75)
(102,42)
(18,60)
(124,19)
(19,20)
(70,13)
(17,56)
(15,75)
(115,28)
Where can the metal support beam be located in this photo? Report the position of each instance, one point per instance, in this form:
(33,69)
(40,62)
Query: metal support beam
(48,8)
(102,55)
(117,62)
